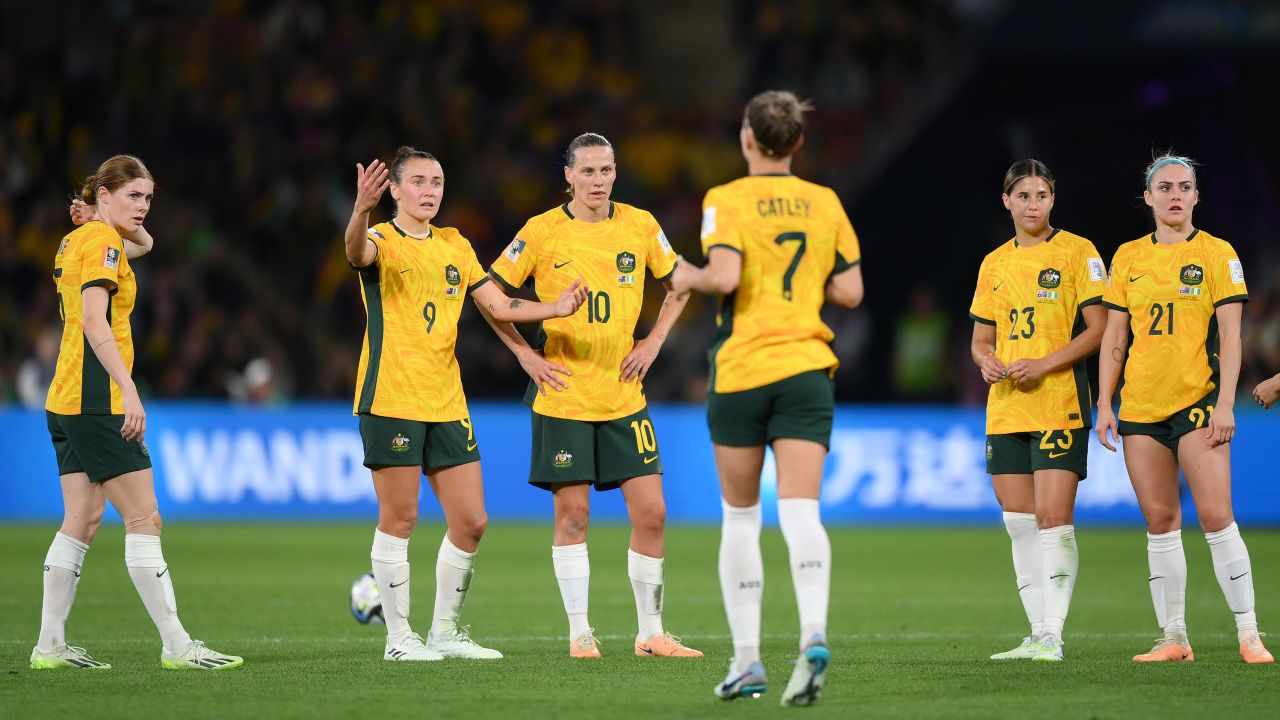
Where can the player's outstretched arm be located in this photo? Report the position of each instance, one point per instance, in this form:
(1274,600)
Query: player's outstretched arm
(1111,355)
(983,351)
(1267,391)
(543,372)
(845,289)
(137,243)
(719,277)
(637,362)
(515,310)
(371,182)
(1028,370)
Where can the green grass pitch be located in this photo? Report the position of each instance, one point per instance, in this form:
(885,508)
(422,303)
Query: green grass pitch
(914,615)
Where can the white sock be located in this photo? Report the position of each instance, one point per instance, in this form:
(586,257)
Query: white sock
(453,579)
(1168,580)
(573,573)
(61,575)
(1061,562)
(742,579)
(646,582)
(151,577)
(810,552)
(1024,535)
(1235,575)
(390,556)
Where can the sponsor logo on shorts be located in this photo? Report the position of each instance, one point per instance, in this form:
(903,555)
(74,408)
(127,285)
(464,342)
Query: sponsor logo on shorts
(626,262)
(1057,455)
(563,459)
(399,443)
(1192,274)
(650,459)
(471,446)
(1050,278)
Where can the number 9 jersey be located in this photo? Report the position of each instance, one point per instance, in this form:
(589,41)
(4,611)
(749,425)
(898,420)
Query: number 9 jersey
(1170,293)
(1033,297)
(792,235)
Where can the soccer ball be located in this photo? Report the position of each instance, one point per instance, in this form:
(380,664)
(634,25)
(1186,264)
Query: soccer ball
(366,601)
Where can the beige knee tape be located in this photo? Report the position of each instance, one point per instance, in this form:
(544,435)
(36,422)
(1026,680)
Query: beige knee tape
(146,524)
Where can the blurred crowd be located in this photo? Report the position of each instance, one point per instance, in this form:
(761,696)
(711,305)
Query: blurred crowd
(252,116)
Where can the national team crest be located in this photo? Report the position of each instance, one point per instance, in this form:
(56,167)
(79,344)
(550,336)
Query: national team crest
(1192,275)
(399,443)
(626,262)
(1050,278)
(451,275)
(563,459)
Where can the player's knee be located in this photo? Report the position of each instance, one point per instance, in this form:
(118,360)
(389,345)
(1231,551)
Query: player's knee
(145,522)
(1162,520)
(473,526)
(398,521)
(1046,519)
(572,518)
(651,517)
(1214,520)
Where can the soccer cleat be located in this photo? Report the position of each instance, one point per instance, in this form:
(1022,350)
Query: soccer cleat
(1050,650)
(664,644)
(806,681)
(1252,650)
(752,683)
(1168,649)
(585,645)
(457,643)
(68,657)
(1029,648)
(410,648)
(195,656)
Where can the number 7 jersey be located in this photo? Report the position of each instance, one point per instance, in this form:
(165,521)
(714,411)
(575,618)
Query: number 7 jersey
(1033,296)
(1170,293)
(792,236)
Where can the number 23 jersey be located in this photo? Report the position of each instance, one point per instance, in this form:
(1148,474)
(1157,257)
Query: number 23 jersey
(1170,293)
(1033,296)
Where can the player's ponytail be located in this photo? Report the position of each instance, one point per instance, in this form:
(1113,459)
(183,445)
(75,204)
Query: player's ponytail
(776,118)
(116,171)
(404,154)
(1025,169)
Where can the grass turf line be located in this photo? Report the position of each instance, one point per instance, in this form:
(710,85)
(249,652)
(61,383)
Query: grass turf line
(914,615)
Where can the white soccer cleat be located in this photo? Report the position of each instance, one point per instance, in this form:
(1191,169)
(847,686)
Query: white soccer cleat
(457,643)
(68,657)
(811,672)
(195,656)
(1029,648)
(409,648)
(1050,650)
(750,683)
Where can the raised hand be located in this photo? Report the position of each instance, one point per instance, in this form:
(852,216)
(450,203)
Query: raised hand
(371,182)
(82,212)
(572,299)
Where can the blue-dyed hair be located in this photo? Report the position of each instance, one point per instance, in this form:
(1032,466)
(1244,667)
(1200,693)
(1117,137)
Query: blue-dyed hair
(1169,159)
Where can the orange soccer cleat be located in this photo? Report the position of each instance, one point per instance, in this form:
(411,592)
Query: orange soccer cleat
(664,644)
(585,646)
(1252,650)
(1168,649)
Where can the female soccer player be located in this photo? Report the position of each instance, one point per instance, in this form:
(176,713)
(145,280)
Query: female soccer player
(413,415)
(97,422)
(1180,292)
(777,247)
(597,430)
(1036,317)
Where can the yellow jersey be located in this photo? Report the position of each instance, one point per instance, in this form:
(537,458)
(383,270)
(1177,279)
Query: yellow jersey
(1170,293)
(610,257)
(792,236)
(1033,297)
(92,254)
(413,295)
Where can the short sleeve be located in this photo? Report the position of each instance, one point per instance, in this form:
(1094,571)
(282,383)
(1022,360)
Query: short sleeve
(1226,278)
(384,255)
(474,271)
(719,224)
(848,251)
(1116,294)
(516,263)
(660,258)
(100,258)
(1091,275)
(980,310)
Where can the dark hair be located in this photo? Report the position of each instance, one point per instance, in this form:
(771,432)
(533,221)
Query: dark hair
(404,154)
(776,118)
(587,139)
(1025,169)
(116,171)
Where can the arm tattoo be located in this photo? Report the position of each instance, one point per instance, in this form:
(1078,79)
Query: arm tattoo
(1117,354)
(491,308)
(515,304)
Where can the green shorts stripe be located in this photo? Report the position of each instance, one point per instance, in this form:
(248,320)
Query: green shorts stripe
(601,452)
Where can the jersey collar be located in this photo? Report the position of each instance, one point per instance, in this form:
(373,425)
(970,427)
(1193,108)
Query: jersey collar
(1052,235)
(565,208)
(400,230)
(1194,233)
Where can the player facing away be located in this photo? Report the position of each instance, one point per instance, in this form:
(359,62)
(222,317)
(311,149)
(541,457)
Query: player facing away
(777,248)
(1175,298)
(413,414)
(596,431)
(1036,317)
(97,422)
